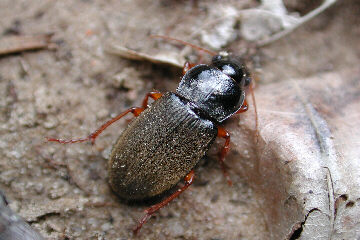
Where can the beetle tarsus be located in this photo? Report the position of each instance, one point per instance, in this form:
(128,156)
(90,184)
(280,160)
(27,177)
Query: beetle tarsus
(142,221)
(62,141)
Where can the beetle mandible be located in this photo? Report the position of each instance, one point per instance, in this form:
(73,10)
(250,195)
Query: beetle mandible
(166,140)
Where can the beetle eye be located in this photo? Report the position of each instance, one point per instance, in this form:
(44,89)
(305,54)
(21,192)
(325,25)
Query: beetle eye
(216,58)
(247,80)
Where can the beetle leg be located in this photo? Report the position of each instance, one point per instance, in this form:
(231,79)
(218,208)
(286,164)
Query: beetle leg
(150,211)
(136,111)
(224,134)
(185,43)
(188,66)
(243,108)
(154,95)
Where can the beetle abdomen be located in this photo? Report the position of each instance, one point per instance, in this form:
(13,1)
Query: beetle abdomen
(158,149)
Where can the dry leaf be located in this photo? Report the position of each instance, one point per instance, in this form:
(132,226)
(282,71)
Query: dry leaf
(305,167)
(170,58)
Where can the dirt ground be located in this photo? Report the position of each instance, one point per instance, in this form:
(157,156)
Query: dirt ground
(62,190)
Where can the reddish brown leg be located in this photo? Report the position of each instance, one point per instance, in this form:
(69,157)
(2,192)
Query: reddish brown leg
(243,108)
(224,134)
(154,95)
(93,136)
(188,66)
(150,211)
(136,111)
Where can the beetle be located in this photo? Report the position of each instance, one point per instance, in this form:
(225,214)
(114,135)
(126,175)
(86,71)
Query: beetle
(167,139)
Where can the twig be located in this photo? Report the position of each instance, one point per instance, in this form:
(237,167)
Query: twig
(302,20)
(16,44)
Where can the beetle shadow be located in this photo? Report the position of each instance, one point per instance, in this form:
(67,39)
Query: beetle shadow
(148,201)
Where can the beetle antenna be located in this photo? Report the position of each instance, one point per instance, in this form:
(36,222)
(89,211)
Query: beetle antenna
(251,89)
(185,43)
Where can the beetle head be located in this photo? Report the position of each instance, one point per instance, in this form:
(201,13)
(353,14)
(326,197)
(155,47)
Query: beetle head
(232,66)
(214,95)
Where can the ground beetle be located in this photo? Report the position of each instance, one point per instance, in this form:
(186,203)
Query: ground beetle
(166,140)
